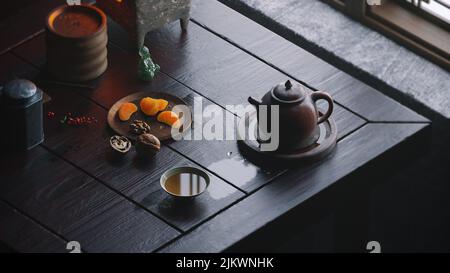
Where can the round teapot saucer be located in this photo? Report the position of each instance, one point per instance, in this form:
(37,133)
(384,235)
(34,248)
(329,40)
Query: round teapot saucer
(322,147)
(300,145)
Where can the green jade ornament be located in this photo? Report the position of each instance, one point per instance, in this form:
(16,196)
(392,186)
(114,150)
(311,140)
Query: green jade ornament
(147,69)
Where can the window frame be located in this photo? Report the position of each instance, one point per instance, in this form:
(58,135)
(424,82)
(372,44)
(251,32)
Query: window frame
(416,29)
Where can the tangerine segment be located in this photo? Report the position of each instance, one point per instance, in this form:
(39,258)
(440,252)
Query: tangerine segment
(149,106)
(162,104)
(126,110)
(169,118)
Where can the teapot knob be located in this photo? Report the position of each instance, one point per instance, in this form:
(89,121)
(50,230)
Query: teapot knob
(288,85)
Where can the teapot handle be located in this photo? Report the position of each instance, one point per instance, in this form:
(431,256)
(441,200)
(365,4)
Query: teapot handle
(319,95)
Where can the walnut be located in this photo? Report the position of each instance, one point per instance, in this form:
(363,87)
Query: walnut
(147,145)
(139,127)
(120,144)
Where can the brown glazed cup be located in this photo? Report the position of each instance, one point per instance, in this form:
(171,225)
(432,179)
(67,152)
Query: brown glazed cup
(76,43)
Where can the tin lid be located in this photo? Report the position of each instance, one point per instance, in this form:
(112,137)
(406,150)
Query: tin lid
(21,92)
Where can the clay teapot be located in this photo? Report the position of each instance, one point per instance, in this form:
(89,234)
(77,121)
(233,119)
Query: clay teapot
(298,114)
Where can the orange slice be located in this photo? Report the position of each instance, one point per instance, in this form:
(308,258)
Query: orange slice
(126,110)
(162,104)
(169,118)
(149,106)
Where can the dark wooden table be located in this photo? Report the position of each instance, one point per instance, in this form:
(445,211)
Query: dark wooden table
(70,188)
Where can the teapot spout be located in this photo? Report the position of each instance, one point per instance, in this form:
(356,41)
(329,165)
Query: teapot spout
(254,101)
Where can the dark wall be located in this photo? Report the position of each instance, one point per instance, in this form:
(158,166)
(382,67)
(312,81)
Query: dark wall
(9,8)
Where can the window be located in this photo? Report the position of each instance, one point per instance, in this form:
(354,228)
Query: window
(437,8)
(421,25)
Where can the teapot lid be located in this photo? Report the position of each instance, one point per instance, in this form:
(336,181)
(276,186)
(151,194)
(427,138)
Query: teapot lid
(288,93)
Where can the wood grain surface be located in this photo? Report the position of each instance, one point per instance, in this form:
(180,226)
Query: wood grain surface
(73,187)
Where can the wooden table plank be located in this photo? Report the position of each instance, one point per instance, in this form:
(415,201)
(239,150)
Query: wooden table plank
(124,228)
(261,42)
(27,23)
(25,235)
(367,101)
(72,204)
(12,67)
(292,189)
(34,51)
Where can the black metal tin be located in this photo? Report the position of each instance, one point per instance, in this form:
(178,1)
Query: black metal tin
(22,115)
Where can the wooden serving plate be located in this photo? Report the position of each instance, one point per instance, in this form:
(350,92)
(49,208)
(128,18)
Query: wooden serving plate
(320,148)
(160,130)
